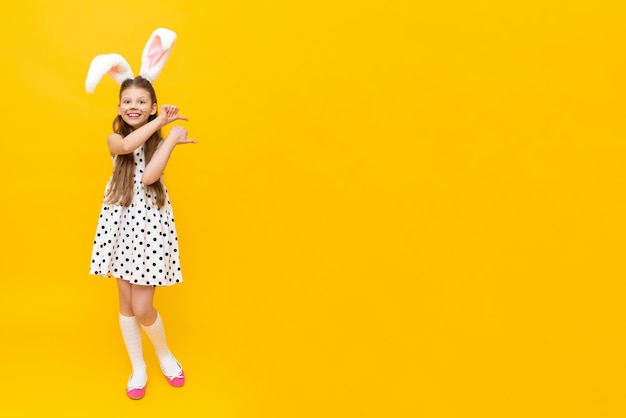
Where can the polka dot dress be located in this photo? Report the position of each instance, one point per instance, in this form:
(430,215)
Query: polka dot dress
(137,243)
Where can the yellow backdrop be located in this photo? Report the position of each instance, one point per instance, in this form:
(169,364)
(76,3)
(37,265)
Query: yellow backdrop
(394,209)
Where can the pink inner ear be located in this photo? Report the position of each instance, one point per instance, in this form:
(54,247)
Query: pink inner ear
(156,51)
(115,69)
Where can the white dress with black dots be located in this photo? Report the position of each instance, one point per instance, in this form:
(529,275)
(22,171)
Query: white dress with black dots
(137,243)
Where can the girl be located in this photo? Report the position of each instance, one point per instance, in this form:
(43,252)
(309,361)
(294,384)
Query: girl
(136,240)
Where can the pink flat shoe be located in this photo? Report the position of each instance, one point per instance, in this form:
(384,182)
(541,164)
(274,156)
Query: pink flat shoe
(177,380)
(136,393)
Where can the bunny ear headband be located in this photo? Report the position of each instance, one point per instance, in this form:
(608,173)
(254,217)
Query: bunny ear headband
(155,54)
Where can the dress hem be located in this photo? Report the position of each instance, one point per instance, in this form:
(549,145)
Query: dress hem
(137,281)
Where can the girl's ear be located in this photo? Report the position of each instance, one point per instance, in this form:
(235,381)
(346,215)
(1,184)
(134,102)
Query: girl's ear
(113,64)
(154,109)
(156,52)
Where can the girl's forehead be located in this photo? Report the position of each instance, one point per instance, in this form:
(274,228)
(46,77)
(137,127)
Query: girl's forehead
(135,92)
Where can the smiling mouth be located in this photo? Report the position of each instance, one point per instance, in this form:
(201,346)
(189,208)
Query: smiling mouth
(133,114)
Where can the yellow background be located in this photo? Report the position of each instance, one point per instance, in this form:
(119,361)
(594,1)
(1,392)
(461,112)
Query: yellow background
(395,208)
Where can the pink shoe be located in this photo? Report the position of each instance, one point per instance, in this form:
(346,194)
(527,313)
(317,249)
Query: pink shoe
(177,380)
(136,393)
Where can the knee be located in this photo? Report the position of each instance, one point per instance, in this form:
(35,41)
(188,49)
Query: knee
(145,314)
(126,308)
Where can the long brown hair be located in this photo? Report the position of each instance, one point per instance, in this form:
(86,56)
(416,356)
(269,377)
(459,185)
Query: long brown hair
(122,181)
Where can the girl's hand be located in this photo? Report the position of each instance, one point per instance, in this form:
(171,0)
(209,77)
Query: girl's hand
(178,135)
(170,114)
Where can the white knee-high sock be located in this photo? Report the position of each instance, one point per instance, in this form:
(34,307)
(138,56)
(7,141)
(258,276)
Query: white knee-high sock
(156,334)
(131,333)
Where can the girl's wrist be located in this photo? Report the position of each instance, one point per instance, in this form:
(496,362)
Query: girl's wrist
(169,140)
(161,121)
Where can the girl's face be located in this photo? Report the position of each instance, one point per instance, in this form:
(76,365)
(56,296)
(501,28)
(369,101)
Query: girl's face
(136,107)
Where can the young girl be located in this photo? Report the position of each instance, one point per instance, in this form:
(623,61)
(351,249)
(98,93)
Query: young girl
(136,240)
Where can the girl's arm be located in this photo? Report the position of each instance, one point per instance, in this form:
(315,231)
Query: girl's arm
(156,166)
(125,145)
(129,143)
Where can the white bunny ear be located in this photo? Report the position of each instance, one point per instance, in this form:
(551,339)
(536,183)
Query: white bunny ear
(114,64)
(156,52)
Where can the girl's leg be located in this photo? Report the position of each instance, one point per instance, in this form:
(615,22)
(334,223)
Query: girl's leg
(141,299)
(150,320)
(131,334)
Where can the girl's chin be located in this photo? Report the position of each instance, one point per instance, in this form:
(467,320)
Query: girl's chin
(135,122)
